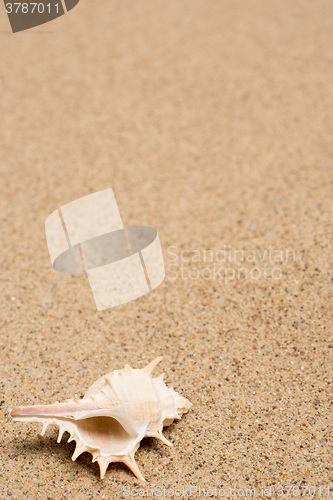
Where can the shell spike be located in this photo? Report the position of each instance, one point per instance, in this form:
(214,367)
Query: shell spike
(148,370)
(78,450)
(131,464)
(61,433)
(103,465)
(45,426)
(159,435)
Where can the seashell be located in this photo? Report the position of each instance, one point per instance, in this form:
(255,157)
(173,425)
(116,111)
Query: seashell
(116,413)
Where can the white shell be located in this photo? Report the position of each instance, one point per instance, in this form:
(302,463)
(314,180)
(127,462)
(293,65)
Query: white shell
(116,413)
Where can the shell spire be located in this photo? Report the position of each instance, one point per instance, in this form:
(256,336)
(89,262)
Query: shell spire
(116,413)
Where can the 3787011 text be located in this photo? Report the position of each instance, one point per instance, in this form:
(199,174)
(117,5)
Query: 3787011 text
(32,8)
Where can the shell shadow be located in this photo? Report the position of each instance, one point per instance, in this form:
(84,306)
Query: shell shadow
(42,446)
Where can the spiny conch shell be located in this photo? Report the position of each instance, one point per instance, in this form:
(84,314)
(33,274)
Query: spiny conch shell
(116,413)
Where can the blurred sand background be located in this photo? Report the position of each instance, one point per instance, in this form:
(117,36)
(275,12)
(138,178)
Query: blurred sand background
(212,121)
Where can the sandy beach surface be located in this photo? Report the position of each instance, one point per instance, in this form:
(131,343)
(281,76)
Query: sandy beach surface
(212,121)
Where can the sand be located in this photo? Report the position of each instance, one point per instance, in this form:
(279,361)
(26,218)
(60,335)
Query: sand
(212,121)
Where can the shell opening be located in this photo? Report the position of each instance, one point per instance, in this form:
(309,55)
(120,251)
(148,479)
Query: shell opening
(105,433)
